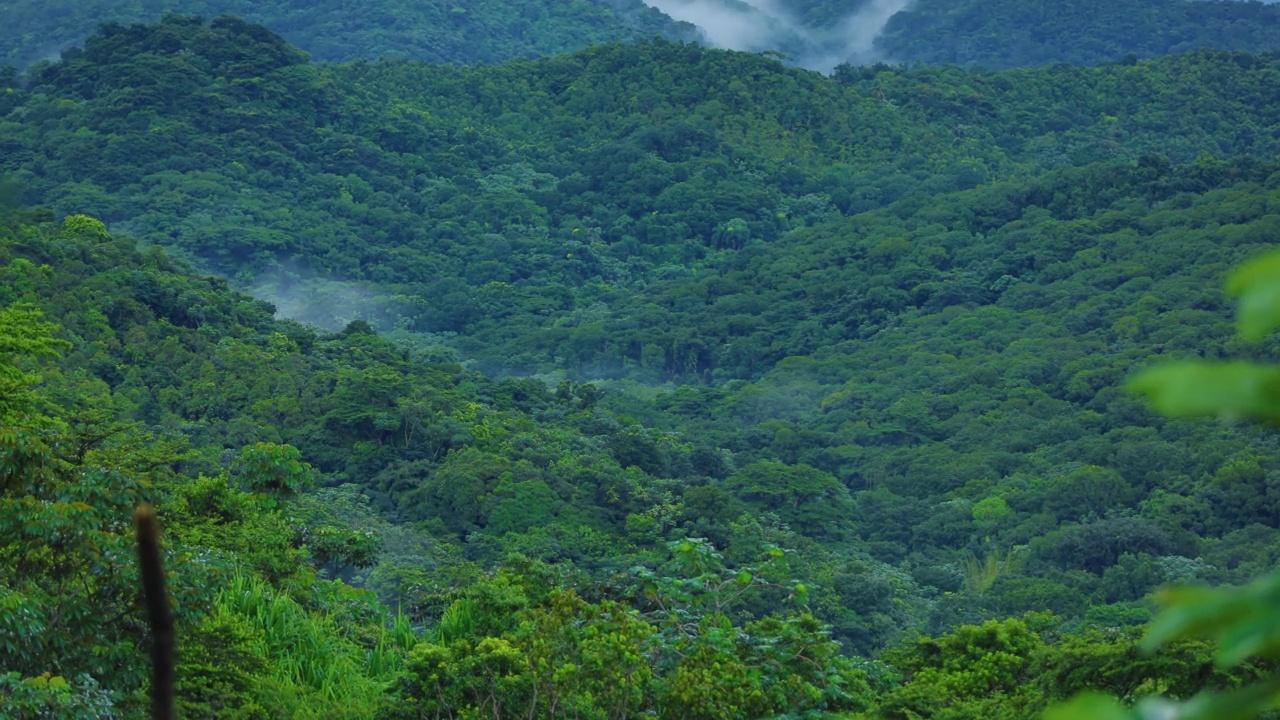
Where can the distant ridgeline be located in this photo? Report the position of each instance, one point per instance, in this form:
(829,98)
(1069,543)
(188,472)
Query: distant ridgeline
(438,31)
(814,33)
(821,34)
(1014,33)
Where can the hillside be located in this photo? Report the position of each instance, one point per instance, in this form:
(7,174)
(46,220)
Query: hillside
(753,392)
(821,34)
(433,31)
(1009,33)
(531,196)
(971,459)
(127,379)
(964,356)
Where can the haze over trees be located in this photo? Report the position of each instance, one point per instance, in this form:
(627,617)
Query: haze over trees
(645,380)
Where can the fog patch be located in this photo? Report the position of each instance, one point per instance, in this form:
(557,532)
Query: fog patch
(759,25)
(857,34)
(749,25)
(325,302)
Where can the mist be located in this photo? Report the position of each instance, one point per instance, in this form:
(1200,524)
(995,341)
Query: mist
(749,25)
(861,29)
(757,25)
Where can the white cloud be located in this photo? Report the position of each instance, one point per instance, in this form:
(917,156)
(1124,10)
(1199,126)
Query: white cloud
(755,25)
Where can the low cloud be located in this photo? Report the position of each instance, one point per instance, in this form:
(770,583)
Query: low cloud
(860,30)
(756,25)
(750,25)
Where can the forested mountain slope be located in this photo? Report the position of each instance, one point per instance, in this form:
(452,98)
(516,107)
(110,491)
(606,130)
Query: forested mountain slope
(1014,33)
(821,34)
(430,30)
(957,362)
(857,347)
(125,379)
(813,33)
(973,458)
(496,202)
(426,180)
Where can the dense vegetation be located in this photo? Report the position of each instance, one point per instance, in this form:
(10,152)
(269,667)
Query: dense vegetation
(789,409)
(434,30)
(150,380)
(155,372)
(526,200)
(1009,33)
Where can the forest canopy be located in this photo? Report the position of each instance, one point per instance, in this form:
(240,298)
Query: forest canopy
(429,30)
(752,392)
(1007,33)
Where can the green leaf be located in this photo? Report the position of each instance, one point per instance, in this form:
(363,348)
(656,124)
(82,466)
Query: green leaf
(1247,637)
(1188,389)
(1190,612)
(1241,619)
(1241,704)
(1257,285)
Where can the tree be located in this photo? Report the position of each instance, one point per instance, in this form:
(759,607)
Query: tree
(23,334)
(276,471)
(809,500)
(973,671)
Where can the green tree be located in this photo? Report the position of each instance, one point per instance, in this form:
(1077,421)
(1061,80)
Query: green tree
(274,470)
(808,499)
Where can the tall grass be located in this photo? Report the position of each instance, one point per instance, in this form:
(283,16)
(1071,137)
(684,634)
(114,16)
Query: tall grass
(981,573)
(311,662)
(458,621)
(387,657)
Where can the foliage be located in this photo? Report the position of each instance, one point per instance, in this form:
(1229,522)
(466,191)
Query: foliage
(56,698)
(557,228)
(68,592)
(434,31)
(273,469)
(784,371)
(552,652)
(1007,33)
(21,334)
(1242,621)
(1021,667)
